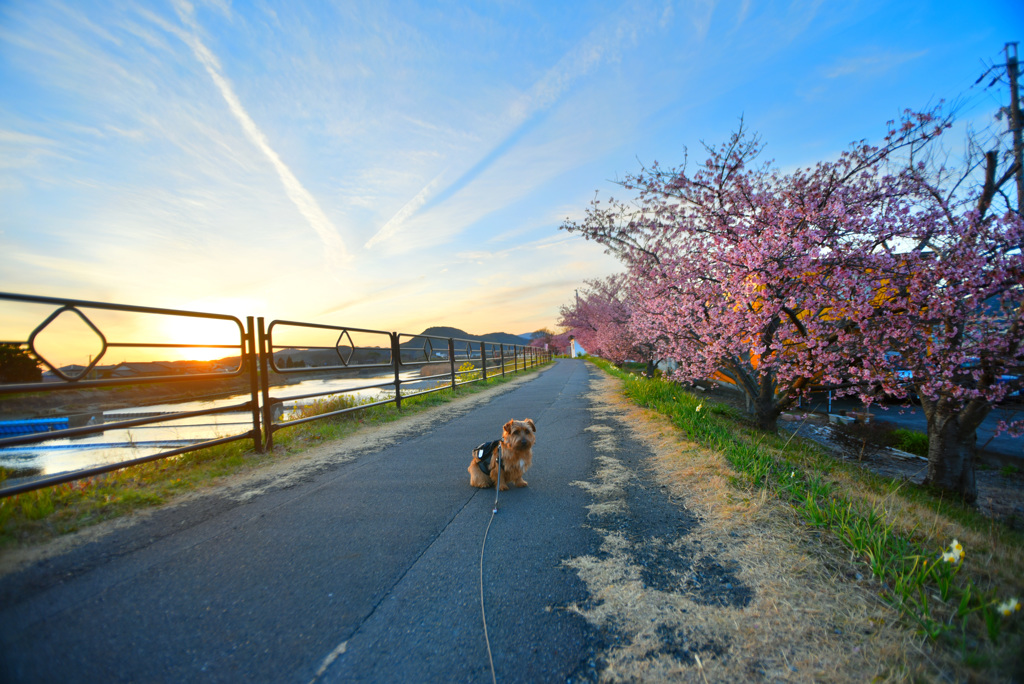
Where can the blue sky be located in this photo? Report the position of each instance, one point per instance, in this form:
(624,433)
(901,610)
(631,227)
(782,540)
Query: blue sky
(400,165)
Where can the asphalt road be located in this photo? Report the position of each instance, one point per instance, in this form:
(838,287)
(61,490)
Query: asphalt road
(366,570)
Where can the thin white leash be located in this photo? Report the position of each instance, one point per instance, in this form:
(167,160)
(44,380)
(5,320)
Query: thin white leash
(483,612)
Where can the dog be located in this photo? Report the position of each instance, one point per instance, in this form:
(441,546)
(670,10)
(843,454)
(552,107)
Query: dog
(516,450)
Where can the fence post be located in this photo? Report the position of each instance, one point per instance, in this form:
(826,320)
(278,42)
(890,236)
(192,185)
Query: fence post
(250,359)
(451,358)
(396,362)
(483,359)
(502,360)
(268,419)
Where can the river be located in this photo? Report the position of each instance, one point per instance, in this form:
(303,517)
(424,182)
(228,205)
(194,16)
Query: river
(112,446)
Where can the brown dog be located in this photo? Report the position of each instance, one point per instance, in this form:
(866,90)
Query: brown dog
(516,449)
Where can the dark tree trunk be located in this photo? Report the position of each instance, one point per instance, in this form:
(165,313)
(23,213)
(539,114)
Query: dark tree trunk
(767,421)
(765,408)
(951,447)
(758,389)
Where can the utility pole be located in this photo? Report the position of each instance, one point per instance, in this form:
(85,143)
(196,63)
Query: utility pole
(1015,122)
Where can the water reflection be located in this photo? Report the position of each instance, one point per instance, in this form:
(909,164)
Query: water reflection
(113,446)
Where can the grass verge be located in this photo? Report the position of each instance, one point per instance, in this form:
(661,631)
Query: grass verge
(39,516)
(952,574)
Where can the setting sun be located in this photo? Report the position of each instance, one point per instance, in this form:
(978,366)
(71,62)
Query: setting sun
(212,338)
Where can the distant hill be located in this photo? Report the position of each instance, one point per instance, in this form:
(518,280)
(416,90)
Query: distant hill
(497,338)
(313,358)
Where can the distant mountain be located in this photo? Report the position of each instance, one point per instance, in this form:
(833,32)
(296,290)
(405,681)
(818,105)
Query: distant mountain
(314,358)
(497,338)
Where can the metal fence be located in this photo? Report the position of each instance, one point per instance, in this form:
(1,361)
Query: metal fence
(265,369)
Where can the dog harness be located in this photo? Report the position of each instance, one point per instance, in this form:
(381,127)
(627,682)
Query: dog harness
(484,451)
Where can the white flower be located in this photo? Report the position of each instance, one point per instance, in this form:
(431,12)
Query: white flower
(955,553)
(700,406)
(1008,607)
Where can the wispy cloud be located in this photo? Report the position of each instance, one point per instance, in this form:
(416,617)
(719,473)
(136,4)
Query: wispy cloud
(411,207)
(701,14)
(601,46)
(871,64)
(303,200)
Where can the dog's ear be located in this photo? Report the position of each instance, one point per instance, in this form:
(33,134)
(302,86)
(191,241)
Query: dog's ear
(508,426)
(529,421)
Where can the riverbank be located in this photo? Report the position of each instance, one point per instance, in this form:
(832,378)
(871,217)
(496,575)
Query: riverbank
(68,402)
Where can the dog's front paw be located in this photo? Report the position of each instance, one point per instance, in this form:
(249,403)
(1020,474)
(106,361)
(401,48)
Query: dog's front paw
(503,487)
(521,482)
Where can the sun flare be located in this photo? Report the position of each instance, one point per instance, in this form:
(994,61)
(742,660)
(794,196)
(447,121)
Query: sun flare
(202,339)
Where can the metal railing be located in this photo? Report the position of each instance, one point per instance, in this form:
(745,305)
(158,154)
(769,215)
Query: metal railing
(387,361)
(405,353)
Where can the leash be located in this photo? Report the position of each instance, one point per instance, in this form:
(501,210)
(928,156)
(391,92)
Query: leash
(483,611)
(497,484)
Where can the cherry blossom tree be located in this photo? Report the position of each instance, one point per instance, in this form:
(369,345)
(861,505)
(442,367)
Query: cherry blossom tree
(543,339)
(850,275)
(737,267)
(952,309)
(599,319)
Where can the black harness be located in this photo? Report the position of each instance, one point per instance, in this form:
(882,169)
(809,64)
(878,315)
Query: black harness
(485,452)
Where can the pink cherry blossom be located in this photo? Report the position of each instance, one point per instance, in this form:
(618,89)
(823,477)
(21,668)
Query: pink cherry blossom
(855,274)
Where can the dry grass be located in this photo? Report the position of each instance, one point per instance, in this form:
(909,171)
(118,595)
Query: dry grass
(996,559)
(810,619)
(993,561)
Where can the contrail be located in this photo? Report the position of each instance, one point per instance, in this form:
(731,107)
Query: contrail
(410,208)
(303,200)
(600,46)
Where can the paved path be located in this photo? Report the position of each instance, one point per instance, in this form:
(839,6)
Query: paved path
(364,571)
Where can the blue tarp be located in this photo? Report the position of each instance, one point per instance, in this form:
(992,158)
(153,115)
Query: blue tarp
(27,427)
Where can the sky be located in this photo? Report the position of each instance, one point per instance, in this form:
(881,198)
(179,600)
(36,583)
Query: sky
(399,165)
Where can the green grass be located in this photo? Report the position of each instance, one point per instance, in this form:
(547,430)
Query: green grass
(40,515)
(946,604)
(911,441)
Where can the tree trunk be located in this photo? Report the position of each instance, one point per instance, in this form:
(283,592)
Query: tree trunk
(767,418)
(766,410)
(951,456)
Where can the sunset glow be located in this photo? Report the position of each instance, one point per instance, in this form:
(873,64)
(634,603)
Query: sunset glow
(224,337)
